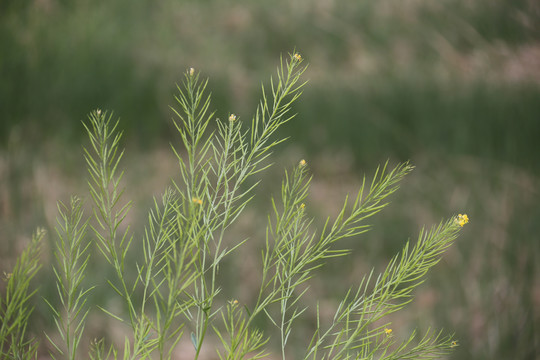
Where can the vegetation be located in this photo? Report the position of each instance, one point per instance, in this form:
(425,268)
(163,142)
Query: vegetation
(176,286)
(451,85)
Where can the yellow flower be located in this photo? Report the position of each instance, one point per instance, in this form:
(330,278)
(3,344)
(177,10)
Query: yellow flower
(462,219)
(302,206)
(388,332)
(197,201)
(191,71)
(232,117)
(454,344)
(302,163)
(298,57)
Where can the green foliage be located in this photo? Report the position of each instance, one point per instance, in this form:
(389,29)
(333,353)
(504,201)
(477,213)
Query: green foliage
(176,286)
(15,308)
(71,258)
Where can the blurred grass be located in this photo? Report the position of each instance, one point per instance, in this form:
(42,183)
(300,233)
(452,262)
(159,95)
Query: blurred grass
(452,85)
(416,74)
(495,123)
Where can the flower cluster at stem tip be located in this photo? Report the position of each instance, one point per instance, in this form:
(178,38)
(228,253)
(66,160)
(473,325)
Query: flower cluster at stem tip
(462,219)
(388,332)
(197,201)
(232,118)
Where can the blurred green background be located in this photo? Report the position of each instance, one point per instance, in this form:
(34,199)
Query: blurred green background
(452,85)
